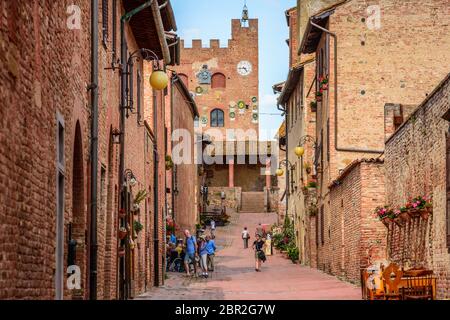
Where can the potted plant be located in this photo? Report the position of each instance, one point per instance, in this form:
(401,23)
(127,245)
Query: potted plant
(141,195)
(313,210)
(312,185)
(122,213)
(121,251)
(122,232)
(385,215)
(308,168)
(397,219)
(403,214)
(293,253)
(169,162)
(313,105)
(323,83)
(138,226)
(305,190)
(319,96)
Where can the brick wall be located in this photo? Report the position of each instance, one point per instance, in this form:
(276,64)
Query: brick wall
(356,238)
(421,171)
(185,209)
(45,75)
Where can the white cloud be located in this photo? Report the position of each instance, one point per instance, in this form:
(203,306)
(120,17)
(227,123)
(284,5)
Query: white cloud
(268,102)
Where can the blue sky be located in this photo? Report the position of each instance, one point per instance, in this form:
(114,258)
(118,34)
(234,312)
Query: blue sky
(211,19)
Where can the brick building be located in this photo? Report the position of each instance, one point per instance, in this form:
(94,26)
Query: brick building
(183,182)
(224,81)
(422,171)
(46,157)
(300,116)
(382,55)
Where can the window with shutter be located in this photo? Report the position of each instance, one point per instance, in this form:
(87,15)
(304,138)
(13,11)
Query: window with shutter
(105,21)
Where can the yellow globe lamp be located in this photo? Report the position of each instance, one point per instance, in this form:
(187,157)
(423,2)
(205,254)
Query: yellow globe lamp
(279,172)
(159,80)
(299,151)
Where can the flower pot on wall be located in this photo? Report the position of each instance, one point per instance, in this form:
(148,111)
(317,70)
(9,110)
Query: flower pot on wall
(425,213)
(122,233)
(414,213)
(405,216)
(386,221)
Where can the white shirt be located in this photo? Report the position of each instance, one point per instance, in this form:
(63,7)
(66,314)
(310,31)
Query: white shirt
(245,234)
(213,224)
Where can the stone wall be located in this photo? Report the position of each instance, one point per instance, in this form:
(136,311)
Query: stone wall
(415,161)
(232,197)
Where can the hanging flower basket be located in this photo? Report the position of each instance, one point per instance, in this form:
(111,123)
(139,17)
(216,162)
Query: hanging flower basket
(122,213)
(398,221)
(121,252)
(404,215)
(169,163)
(425,213)
(319,96)
(387,221)
(122,233)
(323,83)
(313,105)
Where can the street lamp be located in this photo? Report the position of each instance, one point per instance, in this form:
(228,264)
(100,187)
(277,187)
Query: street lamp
(299,150)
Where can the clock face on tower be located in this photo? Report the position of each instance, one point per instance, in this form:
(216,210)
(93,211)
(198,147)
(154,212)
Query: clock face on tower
(244,68)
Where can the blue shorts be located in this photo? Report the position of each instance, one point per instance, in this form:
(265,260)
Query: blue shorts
(189,257)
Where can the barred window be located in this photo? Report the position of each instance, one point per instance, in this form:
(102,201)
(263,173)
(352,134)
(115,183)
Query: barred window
(105,21)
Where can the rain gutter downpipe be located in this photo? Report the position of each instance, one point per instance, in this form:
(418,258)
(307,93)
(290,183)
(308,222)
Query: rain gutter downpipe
(336,145)
(94,152)
(155,194)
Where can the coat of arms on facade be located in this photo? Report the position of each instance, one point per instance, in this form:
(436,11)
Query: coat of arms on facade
(204,75)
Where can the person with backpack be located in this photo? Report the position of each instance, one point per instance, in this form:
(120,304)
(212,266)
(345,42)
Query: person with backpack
(245,237)
(258,246)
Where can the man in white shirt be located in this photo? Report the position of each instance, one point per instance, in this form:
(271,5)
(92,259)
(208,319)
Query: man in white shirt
(213,228)
(245,237)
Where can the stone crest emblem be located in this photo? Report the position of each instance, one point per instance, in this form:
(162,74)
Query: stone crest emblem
(204,75)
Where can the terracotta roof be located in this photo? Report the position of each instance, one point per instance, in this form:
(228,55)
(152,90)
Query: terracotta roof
(350,167)
(287,13)
(292,80)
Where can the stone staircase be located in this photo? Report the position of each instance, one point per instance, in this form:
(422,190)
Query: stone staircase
(252,202)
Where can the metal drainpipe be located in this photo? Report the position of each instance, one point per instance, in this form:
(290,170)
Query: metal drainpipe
(156,194)
(174,79)
(346,149)
(94,151)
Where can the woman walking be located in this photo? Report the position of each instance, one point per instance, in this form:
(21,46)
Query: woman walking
(258,246)
(203,252)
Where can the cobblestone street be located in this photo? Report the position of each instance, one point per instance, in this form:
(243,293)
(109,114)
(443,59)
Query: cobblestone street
(235,276)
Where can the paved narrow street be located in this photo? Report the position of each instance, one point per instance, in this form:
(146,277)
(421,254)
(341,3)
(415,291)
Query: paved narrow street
(235,276)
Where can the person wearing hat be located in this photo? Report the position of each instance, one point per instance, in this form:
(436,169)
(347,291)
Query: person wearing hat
(203,252)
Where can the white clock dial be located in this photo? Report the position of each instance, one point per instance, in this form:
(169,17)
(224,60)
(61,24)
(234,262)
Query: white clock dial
(244,68)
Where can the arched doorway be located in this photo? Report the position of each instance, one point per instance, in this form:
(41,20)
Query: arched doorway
(79,230)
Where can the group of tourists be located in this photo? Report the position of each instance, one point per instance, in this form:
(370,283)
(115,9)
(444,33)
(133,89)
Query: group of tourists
(197,252)
(261,244)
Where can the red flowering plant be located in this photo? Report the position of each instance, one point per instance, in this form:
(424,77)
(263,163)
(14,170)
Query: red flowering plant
(323,83)
(385,212)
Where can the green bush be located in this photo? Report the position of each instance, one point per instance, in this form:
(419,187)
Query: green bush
(293,253)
